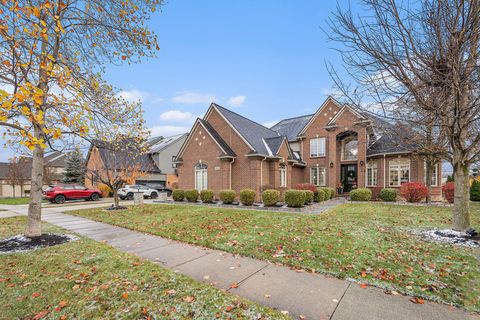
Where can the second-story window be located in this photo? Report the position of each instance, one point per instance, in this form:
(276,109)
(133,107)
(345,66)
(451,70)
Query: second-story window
(317,147)
(350,148)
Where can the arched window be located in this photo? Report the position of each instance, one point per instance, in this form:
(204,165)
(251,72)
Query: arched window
(283,175)
(201,177)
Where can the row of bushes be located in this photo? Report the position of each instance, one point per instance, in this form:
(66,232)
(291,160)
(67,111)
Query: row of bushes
(293,198)
(448,190)
(412,192)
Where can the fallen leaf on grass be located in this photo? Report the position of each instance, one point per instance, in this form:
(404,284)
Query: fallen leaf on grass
(417,300)
(125,295)
(171,292)
(35,295)
(62,304)
(189,299)
(41,314)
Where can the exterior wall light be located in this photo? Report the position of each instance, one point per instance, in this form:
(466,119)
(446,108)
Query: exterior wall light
(331,164)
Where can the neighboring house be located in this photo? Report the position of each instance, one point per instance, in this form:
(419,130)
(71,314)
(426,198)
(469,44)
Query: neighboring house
(156,165)
(336,146)
(54,166)
(163,151)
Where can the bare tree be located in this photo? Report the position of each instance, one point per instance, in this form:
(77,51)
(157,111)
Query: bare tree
(118,162)
(424,52)
(17,174)
(52,54)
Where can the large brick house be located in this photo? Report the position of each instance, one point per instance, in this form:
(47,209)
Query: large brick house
(336,146)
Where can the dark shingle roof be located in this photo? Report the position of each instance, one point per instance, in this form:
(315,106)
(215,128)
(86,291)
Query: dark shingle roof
(120,159)
(251,131)
(218,138)
(292,127)
(55,159)
(274,144)
(159,143)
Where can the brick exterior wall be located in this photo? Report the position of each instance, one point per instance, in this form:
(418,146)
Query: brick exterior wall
(255,172)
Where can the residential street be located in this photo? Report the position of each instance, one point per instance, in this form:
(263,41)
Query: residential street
(301,294)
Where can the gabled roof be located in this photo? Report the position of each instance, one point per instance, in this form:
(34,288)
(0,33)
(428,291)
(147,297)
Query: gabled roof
(157,144)
(120,159)
(319,111)
(250,131)
(291,127)
(349,108)
(274,145)
(224,147)
(214,134)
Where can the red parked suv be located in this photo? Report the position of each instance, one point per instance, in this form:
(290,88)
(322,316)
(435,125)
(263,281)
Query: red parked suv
(60,193)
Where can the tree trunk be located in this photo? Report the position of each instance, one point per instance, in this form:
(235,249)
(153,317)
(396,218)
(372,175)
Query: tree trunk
(115,198)
(461,211)
(34,227)
(428,180)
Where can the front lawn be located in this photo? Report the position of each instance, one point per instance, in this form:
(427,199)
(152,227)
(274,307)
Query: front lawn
(367,242)
(89,280)
(15,201)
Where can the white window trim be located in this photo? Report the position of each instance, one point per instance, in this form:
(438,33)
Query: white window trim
(370,166)
(318,182)
(425,174)
(324,147)
(398,171)
(283,171)
(204,185)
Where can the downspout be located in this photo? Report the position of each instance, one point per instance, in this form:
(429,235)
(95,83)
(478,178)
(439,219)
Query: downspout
(384,171)
(261,176)
(230,175)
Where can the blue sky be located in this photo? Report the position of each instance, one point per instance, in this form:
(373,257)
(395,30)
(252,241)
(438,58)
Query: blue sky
(263,59)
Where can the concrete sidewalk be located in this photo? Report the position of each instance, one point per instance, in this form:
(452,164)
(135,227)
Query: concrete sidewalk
(311,296)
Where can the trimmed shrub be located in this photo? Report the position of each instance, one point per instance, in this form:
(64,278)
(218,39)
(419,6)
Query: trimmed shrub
(320,195)
(227,196)
(191,195)
(326,192)
(475,190)
(388,194)
(178,195)
(206,196)
(270,197)
(413,191)
(295,198)
(309,195)
(247,197)
(361,194)
(448,190)
(333,192)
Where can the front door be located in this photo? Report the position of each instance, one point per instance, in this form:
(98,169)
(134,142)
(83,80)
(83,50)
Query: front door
(349,176)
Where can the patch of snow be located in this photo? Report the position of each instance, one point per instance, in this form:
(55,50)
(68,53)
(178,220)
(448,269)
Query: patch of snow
(451,236)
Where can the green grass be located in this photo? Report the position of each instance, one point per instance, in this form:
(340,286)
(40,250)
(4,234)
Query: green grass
(89,280)
(15,201)
(371,243)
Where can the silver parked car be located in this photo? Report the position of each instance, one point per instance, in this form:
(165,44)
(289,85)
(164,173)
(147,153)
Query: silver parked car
(127,192)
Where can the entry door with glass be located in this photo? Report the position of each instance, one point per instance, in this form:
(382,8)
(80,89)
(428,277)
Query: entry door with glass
(349,176)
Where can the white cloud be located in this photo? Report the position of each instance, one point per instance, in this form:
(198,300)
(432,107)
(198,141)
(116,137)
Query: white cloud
(135,95)
(177,116)
(270,124)
(331,92)
(168,130)
(236,101)
(190,97)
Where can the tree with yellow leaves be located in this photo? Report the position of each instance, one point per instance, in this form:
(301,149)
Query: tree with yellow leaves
(52,55)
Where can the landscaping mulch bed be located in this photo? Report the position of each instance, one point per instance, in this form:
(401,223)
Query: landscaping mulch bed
(20,243)
(465,239)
